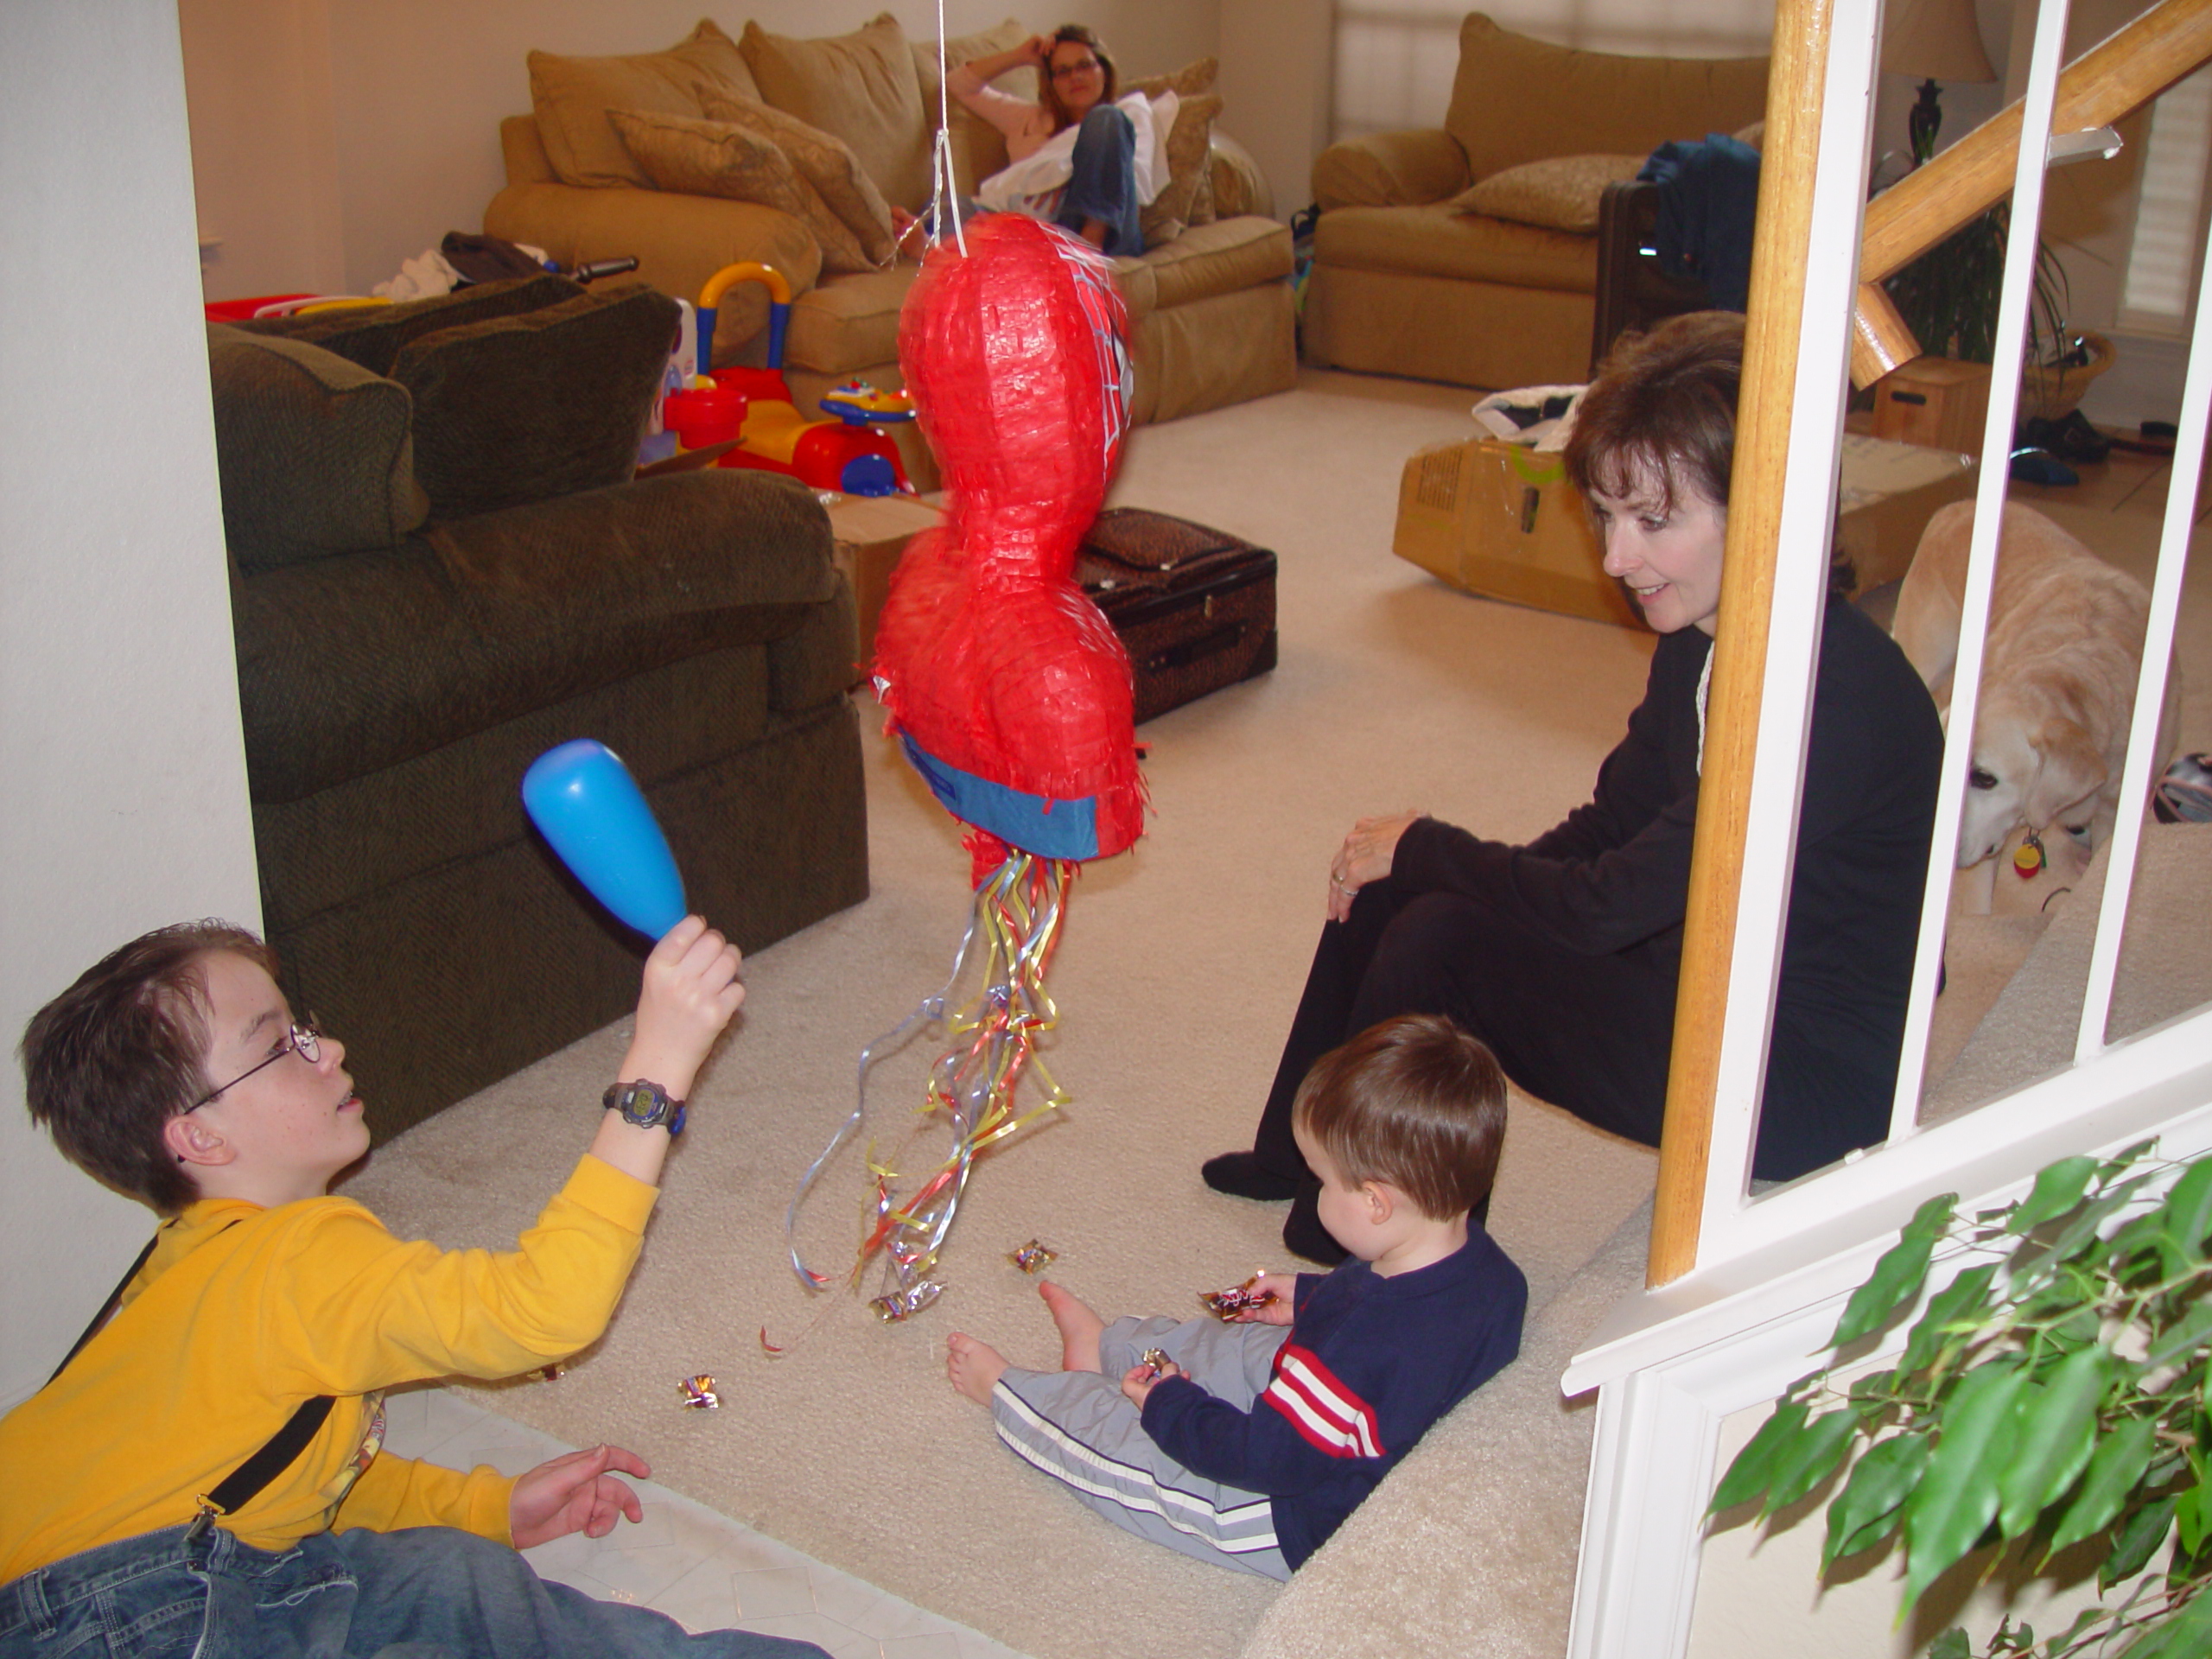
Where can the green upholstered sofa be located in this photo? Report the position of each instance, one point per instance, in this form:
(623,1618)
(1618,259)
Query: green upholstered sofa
(441,567)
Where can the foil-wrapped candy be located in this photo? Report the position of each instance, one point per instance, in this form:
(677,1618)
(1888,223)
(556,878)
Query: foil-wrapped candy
(1226,1304)
(699,1393)
(1154,1361)
(904,1303)
(1033,1257)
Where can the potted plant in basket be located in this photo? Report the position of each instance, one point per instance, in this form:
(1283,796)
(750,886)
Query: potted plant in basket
(1948,297)
(2053,1394)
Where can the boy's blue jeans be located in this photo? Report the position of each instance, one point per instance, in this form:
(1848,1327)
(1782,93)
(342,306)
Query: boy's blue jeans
(425,1593)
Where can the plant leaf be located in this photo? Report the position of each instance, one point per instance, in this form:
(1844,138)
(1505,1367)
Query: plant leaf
(2185,1636)
(2188,1210)
(2054,1432)
(2179,1338)
(1867,1510)
(1899,1276)
(1948,1510)
(2057,1189)
(1808,1458)
(2114,1468)
(2131,1546)
(1753,1468)
(1952,1644)
(1945,1309)
(2082,1229)
(2193,1512)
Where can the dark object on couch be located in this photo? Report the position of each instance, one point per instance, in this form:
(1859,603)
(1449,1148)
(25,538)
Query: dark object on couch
(440,569)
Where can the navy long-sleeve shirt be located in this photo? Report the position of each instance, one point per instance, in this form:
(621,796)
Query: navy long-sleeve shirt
(1616,874)
(1370,1363)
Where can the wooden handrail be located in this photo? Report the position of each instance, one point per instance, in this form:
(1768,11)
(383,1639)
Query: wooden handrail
(2113,79)
(1780,251)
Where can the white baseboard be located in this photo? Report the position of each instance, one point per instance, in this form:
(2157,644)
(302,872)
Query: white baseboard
(2143,383)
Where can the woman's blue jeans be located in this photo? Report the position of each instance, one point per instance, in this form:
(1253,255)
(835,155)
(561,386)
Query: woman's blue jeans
(1104,186)
(425,1593)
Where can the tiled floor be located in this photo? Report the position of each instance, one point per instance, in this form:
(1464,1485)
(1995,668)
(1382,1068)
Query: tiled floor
(699,1567)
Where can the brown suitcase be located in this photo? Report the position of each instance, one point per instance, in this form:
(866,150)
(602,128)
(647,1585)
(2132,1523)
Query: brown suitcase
(1194,607)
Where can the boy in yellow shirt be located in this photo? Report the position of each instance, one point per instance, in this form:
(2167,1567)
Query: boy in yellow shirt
(202,1476)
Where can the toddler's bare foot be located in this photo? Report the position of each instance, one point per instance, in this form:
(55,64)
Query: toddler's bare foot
(1080,1328)
(975,1367)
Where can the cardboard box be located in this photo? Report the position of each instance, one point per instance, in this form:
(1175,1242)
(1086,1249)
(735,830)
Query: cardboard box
(1888,493)
(872,531)
(1934,401)
(1500,520)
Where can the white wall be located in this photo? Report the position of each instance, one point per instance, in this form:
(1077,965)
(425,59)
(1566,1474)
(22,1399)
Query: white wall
(119,738)
(1275,58)
(389,110)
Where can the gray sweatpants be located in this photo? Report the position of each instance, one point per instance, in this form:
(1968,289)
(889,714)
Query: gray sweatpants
(1079,1427)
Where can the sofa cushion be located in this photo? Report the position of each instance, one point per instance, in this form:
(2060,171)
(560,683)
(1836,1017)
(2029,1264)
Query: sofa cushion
(313,451)
(1209,259)
(862,87)
(525,408)
(721,158)
(840,328)
(1438,241)
(346,667)
(1507,98)
(374,335)
(824,161)
(573,95)
(1187,197)
(978,148)
(1561,193)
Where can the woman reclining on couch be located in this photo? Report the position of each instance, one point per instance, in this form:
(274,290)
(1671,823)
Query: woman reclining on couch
(1079,160)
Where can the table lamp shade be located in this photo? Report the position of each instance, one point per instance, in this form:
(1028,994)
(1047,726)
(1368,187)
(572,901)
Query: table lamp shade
(1935,40)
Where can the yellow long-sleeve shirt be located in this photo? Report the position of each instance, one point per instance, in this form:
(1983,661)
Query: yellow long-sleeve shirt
(241,1313)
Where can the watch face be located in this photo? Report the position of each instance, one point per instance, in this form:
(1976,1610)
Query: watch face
(647,1104)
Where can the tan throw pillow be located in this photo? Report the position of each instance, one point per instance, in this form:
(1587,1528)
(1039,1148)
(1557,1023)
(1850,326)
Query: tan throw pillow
(861,87)
(720,158)
(572,96)
(1187,199)
(1560,195)
(978,148)
(824,162)
(1189,81)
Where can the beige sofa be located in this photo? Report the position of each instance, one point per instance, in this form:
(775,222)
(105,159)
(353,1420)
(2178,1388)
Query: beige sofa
(1210,308)
(1409,280)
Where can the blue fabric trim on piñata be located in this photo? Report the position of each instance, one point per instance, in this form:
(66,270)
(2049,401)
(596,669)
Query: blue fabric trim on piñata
(1036,824)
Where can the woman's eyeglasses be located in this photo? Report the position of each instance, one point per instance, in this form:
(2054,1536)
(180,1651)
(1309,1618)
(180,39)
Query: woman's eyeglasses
(304,1040)
(1068,71)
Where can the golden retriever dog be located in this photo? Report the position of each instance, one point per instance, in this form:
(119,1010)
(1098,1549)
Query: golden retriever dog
(2064,648)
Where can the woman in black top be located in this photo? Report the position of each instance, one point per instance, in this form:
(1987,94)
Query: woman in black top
(1563,955)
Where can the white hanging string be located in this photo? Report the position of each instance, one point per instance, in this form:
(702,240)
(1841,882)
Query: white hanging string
(944,195)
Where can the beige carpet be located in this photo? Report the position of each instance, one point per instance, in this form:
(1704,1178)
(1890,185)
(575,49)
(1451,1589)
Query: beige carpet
(1175,978)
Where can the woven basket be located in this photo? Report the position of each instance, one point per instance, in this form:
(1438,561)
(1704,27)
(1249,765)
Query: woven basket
(2050,391)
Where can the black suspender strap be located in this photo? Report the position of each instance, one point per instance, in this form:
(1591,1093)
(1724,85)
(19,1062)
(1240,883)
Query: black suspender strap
(244,1482)
(107,1307)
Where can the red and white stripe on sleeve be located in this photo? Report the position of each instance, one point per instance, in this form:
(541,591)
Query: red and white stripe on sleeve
(1330,1416)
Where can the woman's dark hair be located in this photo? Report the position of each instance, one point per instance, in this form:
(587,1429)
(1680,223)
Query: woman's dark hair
(1081,34)
(1414,1101)
(1662,412)
(112,1059)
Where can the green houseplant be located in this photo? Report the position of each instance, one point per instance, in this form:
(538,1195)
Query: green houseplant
(1948,297)
(2053,1394)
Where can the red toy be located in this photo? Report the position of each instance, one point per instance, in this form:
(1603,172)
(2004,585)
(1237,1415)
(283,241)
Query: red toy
(845,453)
